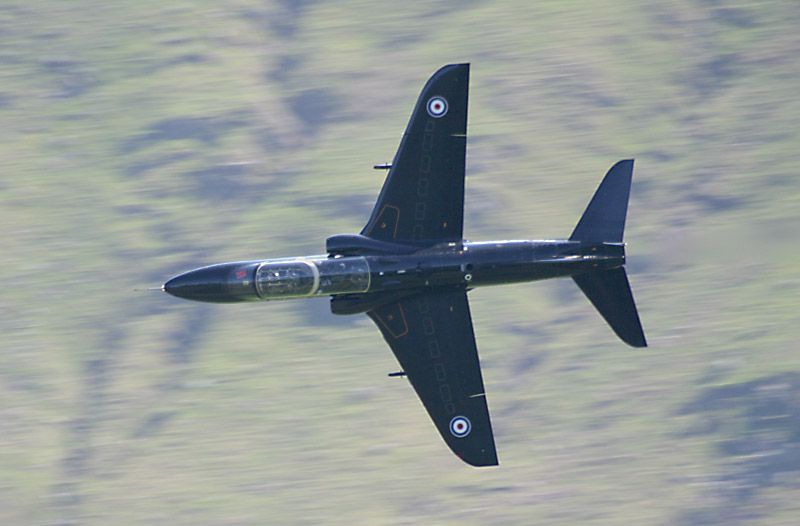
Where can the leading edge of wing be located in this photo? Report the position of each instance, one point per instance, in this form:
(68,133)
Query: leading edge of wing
(432,337)
(422,199)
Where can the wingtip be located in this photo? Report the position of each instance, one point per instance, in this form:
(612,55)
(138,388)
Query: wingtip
(634,340)
(483,463)
(456,65)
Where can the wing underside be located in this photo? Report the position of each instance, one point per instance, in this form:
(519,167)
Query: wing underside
(431,335)
(422,199)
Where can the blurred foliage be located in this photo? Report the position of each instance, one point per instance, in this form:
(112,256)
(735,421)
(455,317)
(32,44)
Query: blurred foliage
(142,139)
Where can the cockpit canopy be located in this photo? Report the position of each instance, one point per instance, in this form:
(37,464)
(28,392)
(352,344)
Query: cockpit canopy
(321,275)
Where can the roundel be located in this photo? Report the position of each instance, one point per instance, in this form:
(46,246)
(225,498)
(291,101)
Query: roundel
(460,426)
(437,107)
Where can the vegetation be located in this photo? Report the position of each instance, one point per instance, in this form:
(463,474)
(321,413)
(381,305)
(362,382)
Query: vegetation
(142,139)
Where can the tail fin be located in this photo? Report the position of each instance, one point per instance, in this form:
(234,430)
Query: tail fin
(604,222)
(610,293)
(604,218)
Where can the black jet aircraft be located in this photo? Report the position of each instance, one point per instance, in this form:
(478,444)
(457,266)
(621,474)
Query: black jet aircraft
(410,269)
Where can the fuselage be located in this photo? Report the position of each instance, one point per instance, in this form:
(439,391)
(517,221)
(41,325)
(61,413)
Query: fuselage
(357,278)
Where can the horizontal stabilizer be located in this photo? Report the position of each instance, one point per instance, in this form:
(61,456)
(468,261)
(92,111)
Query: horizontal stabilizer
(610,293)
(604,218)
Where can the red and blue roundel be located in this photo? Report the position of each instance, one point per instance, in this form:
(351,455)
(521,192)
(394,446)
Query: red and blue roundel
(437,107)
(460,426)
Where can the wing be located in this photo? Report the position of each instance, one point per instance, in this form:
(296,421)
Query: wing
(423,196)
(431,336)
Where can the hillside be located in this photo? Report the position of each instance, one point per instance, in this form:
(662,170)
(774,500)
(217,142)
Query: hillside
(142,139)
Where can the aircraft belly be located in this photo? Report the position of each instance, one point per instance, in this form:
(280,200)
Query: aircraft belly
(410,270)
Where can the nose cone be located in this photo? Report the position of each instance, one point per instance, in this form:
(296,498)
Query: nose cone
(225,283)
(203,284)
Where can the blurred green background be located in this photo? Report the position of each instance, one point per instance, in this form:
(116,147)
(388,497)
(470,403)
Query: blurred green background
(142,139)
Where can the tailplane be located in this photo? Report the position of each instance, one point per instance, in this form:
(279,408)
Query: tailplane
(604,218)
(603,222)
(610,293)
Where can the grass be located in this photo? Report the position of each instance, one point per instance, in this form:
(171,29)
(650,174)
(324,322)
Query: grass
(141,140)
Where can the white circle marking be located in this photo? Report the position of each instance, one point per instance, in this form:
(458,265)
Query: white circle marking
(460,426)
(437,107)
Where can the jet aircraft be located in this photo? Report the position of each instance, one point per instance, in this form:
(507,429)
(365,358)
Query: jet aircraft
(410,269)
